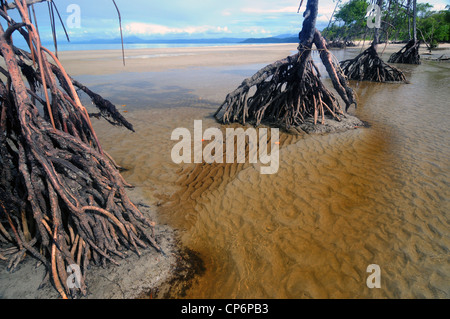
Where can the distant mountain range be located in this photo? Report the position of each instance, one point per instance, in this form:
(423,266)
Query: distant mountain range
(283,38)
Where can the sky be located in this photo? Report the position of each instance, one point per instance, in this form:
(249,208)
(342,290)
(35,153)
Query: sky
(174,19)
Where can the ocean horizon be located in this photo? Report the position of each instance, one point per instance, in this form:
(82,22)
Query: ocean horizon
(131,46)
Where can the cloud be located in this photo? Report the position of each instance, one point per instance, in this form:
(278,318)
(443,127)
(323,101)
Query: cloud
(139,28)
(325,13)
(280,10)
(223,29)
(256,30)
(438,7)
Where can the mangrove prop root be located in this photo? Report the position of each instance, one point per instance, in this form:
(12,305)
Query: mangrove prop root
(285,92)
(62,201)
(409,54)
(368,66)
(288,91)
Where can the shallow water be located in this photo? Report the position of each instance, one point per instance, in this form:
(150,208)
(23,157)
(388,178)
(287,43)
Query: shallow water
(338,203)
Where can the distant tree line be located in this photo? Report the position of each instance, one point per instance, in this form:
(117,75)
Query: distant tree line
(350,22)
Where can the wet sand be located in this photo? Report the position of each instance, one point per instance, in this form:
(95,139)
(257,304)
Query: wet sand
(339,202)
(158,60)
(151,60)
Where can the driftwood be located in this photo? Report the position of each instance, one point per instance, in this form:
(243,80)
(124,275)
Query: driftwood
(285,92)
(62,200)
(443,57)
(409,54)
(341,44)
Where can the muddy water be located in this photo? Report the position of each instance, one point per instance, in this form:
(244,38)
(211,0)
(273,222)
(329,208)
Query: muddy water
(338,203)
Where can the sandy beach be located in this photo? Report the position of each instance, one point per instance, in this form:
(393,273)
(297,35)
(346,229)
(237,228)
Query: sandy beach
(340,202)
(158,60)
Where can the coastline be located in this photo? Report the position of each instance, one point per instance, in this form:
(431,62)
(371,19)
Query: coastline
(97,62)
(163,59)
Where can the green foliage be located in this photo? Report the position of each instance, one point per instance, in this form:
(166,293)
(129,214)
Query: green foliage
(353,12)
(435,27)
(424,10)
(350,22)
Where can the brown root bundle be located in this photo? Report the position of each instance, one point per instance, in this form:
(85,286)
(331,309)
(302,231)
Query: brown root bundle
(62,199)
(288,91)
(368,66)
(409,54)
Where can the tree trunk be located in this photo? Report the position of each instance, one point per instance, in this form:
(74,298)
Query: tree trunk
(289,90)
(409,54)
(408,10)
(376,37)
(12,5)
(415,20)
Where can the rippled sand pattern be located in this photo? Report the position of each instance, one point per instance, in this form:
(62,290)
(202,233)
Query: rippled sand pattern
(338,203)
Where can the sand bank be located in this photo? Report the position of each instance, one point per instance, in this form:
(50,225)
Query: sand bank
(157,60)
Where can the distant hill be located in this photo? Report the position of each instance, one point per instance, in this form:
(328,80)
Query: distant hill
(287,35)
(133,40)
(283,38)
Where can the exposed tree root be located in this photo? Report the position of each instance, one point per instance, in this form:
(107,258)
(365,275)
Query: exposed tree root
(62,200)
(288,91)
(368,66)
(409,54)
